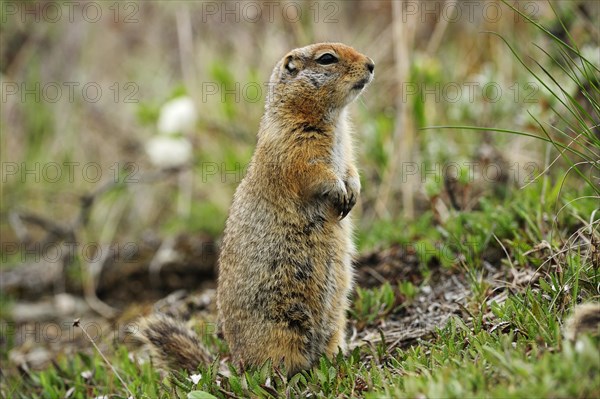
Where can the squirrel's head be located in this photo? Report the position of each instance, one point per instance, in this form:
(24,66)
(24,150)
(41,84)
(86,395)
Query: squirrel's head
(322,77)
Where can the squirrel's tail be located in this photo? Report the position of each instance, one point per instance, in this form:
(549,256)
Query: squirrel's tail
(173,344)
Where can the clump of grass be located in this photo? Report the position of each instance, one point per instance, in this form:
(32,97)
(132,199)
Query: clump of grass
(371,305)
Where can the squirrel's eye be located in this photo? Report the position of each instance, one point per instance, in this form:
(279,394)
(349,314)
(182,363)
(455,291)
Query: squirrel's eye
(327,59)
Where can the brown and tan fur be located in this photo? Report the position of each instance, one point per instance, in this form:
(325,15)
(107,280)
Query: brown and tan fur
(585,319)
(285,269)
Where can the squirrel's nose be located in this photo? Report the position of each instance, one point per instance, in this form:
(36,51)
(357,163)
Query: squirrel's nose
(370,65)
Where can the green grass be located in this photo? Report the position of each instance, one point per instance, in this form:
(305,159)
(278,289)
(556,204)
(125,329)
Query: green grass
(509,349)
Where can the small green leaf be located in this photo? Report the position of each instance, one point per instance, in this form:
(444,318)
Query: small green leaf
(332,373)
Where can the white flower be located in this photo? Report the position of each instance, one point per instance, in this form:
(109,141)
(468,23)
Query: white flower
(86,375)
(168,152)
(196,378)
(177,116)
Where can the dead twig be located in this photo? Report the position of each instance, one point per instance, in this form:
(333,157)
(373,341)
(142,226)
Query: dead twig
(76,323)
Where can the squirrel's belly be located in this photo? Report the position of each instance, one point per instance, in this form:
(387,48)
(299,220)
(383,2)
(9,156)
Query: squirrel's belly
(294,277)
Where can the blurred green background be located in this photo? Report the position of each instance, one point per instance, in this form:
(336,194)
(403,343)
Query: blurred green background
(435,65)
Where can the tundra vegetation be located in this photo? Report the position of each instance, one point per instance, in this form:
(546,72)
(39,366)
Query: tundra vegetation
(126,127)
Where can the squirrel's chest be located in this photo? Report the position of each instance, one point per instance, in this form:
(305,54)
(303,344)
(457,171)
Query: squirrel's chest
(338,156)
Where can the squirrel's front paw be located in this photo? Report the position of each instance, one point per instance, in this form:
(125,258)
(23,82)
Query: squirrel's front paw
(353,189)
(338,195)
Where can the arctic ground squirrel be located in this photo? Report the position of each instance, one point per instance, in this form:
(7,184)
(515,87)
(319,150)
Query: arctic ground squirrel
(285,264)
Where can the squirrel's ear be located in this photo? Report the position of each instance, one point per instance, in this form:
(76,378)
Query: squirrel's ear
(290,64)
